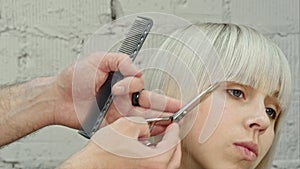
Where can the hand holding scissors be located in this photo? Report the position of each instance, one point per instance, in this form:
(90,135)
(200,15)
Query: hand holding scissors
(179,114)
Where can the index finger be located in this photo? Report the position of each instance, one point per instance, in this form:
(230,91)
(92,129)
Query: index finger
(119,62)
(159,102)
(171,137)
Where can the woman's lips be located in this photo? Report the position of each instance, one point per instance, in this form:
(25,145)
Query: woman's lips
(249,150)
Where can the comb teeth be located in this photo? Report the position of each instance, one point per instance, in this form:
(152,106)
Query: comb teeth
(136,36)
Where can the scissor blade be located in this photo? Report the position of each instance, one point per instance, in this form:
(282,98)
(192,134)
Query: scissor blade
(192,104)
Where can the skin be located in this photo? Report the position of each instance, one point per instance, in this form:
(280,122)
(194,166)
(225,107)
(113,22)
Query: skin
(41,102)
(244,119)
(30,106)
(166,160)
(27,107)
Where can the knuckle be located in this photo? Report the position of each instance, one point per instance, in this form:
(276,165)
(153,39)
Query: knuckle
(122,121)
(126,57)
(142,81)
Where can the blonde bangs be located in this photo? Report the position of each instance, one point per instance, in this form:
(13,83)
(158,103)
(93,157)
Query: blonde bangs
(244,55)
(251,59)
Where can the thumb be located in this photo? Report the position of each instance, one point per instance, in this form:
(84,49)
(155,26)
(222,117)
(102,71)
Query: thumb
(171,137)
(133,127)
(120,138)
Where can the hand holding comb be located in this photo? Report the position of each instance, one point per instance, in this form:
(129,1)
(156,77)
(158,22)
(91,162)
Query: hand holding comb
(130,46)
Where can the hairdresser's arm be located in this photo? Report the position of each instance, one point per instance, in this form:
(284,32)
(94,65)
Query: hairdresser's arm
(125,133)
(25,108)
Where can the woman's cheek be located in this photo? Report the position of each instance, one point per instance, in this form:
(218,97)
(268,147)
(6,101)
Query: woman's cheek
(266,141)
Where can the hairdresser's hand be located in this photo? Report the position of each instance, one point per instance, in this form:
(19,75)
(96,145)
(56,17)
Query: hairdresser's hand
(151,105)
(117,146)
(77,86)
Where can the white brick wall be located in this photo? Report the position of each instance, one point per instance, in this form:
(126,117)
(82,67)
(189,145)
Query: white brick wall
(42,37)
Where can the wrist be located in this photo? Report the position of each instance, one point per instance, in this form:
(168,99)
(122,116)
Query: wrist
(43,99)
(26,108)
(64,112)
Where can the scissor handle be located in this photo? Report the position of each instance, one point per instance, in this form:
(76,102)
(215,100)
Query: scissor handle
(157,119)
(152,141)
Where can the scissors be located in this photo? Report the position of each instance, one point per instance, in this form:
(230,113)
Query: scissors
(179,114)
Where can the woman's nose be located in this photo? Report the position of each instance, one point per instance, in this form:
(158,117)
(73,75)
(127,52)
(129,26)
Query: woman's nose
(258,119)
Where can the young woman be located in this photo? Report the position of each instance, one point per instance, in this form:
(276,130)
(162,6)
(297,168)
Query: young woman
(247,107)
(234,127)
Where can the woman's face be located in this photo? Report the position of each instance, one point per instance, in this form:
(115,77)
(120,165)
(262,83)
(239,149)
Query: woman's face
(243,136)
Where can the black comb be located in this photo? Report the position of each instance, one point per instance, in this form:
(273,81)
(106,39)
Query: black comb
(130,46)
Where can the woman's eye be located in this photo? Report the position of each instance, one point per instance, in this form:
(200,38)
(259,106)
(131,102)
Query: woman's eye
(271,113)
(236,93)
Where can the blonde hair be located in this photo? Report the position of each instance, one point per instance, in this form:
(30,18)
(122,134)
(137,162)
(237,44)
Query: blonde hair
(243,55)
